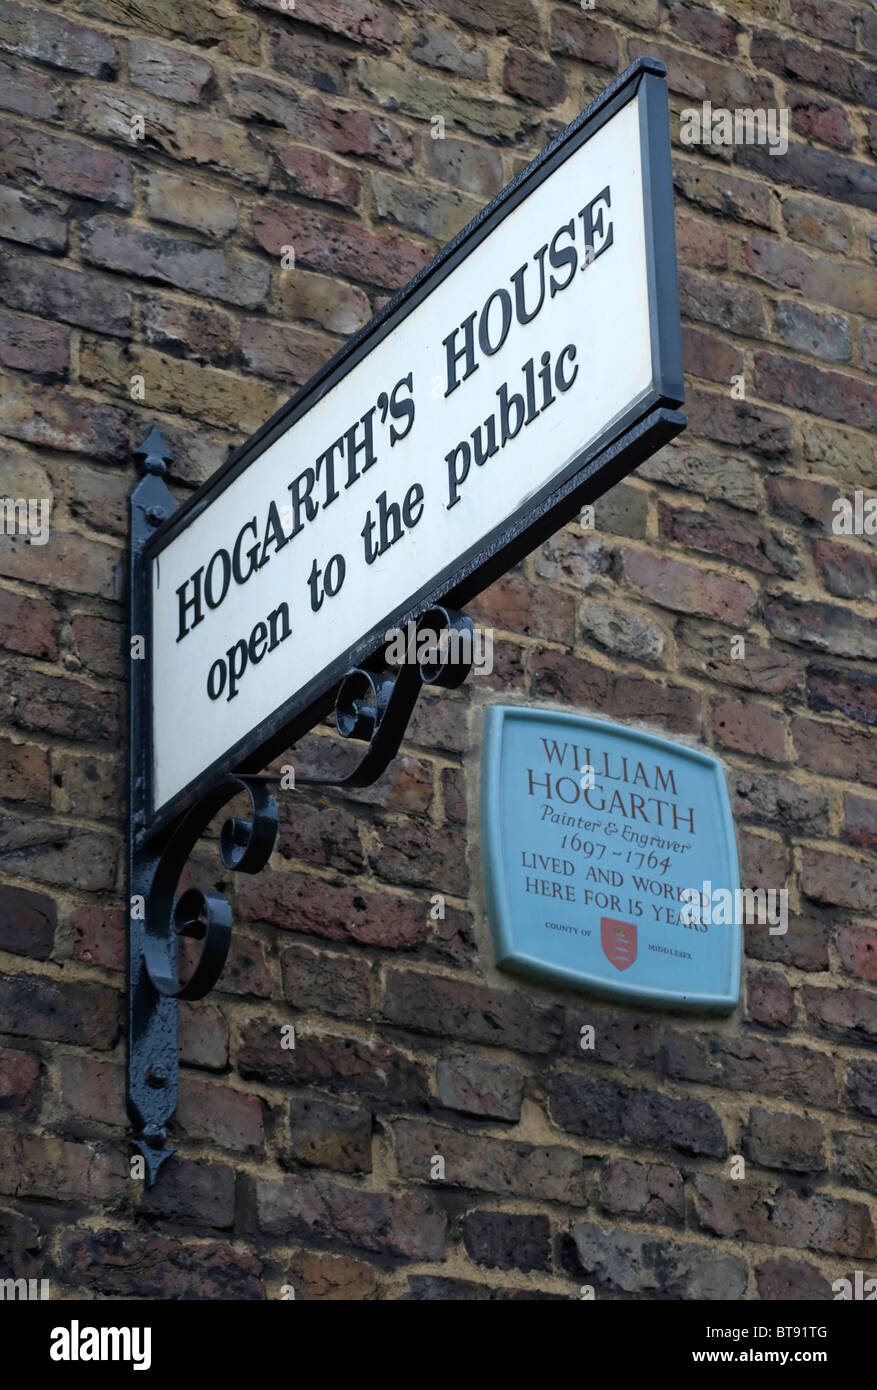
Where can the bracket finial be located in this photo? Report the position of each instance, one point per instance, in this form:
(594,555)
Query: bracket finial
(154,454)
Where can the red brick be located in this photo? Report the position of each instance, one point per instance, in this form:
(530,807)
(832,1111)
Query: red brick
(138,1264)
(462,1009)
(20,1087)
(337,247)
(219,1115)
(838,880)
(717,416)
(677,585)
(99,936)
(94,1090)
(857,948)
(750,728)
(705,30)
(860,820)
(819,67)
(835,750)
(63,420)
(27,923)
(203,1037)
(753,1064)
(283,353)
(199,1194)
(700,243)
(739,539)
(27,345)
(56,292)
(849,1015)
(337,912)
(532,79)
(834,395)
(770,999)
(314,175)
(71,166)
(818,118)
(46,1167)
(338,985)
(407,1224)
(850,692)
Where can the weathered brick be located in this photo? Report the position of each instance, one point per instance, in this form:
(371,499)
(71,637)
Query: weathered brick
(750,727)
(281,352)
(703,29)
(324,302)
(138,1264)
(721,192)
(54,292)
(221,25)
(474,1086)
(862,1087)
(99,936)
(857,948)
(781,1217)
(332,984)
(28,92)
(474,1012)
(94,1090)
(62,420)
(229,276)
(677,585)
(590,42)
(336,912)
(440,45)
(169,72)
(327,244)
(31,220)
(647,1191)
(48,37)
(551,1172)
(753,1064)
(505,1240)
(817,224)
(27,923)
(784,1139)
(43,1166)
(24,774)
(20,1086)
(336,1063)
(325,1134)
(608,1110)
(321,1276)
(820,67)
(786,1279)
(849,1015)
(71,166)
(770,1000)
(186,203)
(628,1263)
(203,140)
(220,1115)
(835,395)
(427,209)
(198,1194)
(838,880)
(848,691)
(407,1225)
(860,820)
(203,1036)
(417,94)
(856,1159)
(789,806)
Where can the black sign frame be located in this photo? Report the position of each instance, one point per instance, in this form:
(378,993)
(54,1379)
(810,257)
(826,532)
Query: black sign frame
(626,442)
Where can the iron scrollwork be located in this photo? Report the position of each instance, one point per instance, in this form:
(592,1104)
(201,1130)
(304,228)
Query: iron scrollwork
(374,704)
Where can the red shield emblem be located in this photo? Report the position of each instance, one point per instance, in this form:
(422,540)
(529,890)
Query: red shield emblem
(619,942)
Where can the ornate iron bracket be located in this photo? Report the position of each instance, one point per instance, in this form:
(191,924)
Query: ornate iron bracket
(372,704)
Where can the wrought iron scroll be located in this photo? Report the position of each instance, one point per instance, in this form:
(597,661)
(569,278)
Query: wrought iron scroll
(373,704)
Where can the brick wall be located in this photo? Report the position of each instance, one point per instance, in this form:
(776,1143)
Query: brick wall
(153,251)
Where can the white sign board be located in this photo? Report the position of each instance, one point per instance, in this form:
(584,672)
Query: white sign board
(534,341)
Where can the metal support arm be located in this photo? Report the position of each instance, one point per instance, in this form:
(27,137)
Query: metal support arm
(372,704)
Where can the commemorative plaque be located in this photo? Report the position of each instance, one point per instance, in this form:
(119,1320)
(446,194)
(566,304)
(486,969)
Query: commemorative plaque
(610,860)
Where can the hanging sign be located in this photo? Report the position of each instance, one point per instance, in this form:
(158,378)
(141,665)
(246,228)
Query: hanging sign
(610,860)
(532,364)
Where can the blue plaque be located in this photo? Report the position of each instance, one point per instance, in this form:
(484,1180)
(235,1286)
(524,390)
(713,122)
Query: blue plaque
(610,860)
